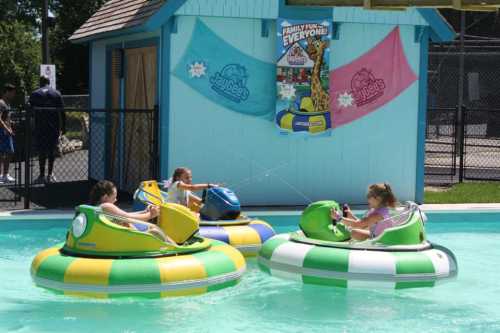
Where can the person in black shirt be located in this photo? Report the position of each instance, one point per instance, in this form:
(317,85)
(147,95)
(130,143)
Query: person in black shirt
(49,115)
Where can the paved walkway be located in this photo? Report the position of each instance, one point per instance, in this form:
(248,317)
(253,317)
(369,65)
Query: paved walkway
(461,207)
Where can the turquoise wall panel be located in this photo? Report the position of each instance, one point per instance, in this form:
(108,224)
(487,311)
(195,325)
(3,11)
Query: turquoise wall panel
(267,9)
(265,168)
(359,15)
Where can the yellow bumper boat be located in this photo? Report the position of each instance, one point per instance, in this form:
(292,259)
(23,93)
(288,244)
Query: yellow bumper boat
(109,256)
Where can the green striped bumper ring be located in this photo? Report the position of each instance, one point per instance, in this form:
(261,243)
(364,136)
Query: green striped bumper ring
(218,267)
(350,268)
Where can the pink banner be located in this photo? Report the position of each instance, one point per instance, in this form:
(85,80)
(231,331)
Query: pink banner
(372,80)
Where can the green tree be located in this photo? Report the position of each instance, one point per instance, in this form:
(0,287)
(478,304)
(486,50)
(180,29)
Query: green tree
(71,60)
(26,11)
(20,56)
(21,47)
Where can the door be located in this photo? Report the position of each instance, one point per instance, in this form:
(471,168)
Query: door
(139,117)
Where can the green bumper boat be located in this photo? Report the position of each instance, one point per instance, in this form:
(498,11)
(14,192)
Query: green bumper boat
(323,253)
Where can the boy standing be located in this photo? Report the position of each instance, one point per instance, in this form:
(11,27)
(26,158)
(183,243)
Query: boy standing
(6,133)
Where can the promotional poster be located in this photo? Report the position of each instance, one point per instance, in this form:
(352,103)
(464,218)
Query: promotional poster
(302,78)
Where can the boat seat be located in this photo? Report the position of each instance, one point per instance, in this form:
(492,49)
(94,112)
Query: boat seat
(178,222)
(135,225)
(408,230)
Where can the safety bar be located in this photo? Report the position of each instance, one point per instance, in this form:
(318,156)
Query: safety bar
(410,208)
(136,194)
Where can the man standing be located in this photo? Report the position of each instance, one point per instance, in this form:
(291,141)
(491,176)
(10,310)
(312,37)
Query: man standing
(50,121)
(6,133)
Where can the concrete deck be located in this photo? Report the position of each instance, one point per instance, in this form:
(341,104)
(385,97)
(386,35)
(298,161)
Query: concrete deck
(260,211)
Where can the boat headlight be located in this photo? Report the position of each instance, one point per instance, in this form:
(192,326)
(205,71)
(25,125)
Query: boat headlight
(79,225)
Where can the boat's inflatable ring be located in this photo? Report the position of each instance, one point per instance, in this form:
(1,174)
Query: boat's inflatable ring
(196,273)
(248,238)
(341,267)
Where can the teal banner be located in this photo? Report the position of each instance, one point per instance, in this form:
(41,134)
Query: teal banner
(225,75)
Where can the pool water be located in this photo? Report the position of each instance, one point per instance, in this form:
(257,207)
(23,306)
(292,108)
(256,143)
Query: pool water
(261,302)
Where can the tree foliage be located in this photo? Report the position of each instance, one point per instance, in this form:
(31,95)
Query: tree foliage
(20,56)
(20,47)
(25,11)
(71,59)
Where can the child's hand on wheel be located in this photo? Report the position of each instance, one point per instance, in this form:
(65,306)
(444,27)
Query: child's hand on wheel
(334,214)
(154,211)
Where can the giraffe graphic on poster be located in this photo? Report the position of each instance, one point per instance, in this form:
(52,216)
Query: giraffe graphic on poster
(320,97)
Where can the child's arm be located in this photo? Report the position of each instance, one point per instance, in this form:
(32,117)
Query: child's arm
(363,223)
(7,127)
(335,215)
(193,187)
(351,216)
(114,210)
(146,215)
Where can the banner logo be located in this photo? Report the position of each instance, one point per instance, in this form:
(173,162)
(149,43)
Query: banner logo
(231,83)
(297,56)
(365,87)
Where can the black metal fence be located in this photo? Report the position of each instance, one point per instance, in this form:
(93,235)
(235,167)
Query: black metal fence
(461,147)
(463,119)
(441,143)
(481,144)
(119,145)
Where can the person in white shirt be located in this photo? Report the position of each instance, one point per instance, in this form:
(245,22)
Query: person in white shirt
(180,188)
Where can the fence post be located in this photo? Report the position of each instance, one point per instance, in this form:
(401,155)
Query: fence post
(27,158)
(462,143)
(461,109)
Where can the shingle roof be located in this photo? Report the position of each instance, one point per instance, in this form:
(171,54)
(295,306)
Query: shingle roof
(116,15)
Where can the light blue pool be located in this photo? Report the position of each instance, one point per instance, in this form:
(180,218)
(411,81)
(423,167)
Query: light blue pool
(262,303)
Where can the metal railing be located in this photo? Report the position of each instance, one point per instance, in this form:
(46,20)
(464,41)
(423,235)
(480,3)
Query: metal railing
(116,144)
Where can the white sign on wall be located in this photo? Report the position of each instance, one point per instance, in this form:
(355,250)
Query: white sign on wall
(50,72)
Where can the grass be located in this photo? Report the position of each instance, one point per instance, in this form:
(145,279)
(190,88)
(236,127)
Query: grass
(487,192)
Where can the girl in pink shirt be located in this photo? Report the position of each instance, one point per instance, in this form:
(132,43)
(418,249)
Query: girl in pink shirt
(380,200)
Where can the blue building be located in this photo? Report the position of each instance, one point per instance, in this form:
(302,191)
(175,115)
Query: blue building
(168,54)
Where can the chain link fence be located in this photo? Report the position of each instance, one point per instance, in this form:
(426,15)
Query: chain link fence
(463,119)
(119,145)
(441,143)
(481,152)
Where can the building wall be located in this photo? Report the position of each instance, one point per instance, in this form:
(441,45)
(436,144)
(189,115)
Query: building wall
(233,8)
(409,16)
(270,9)
(97,80)
(265,168)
